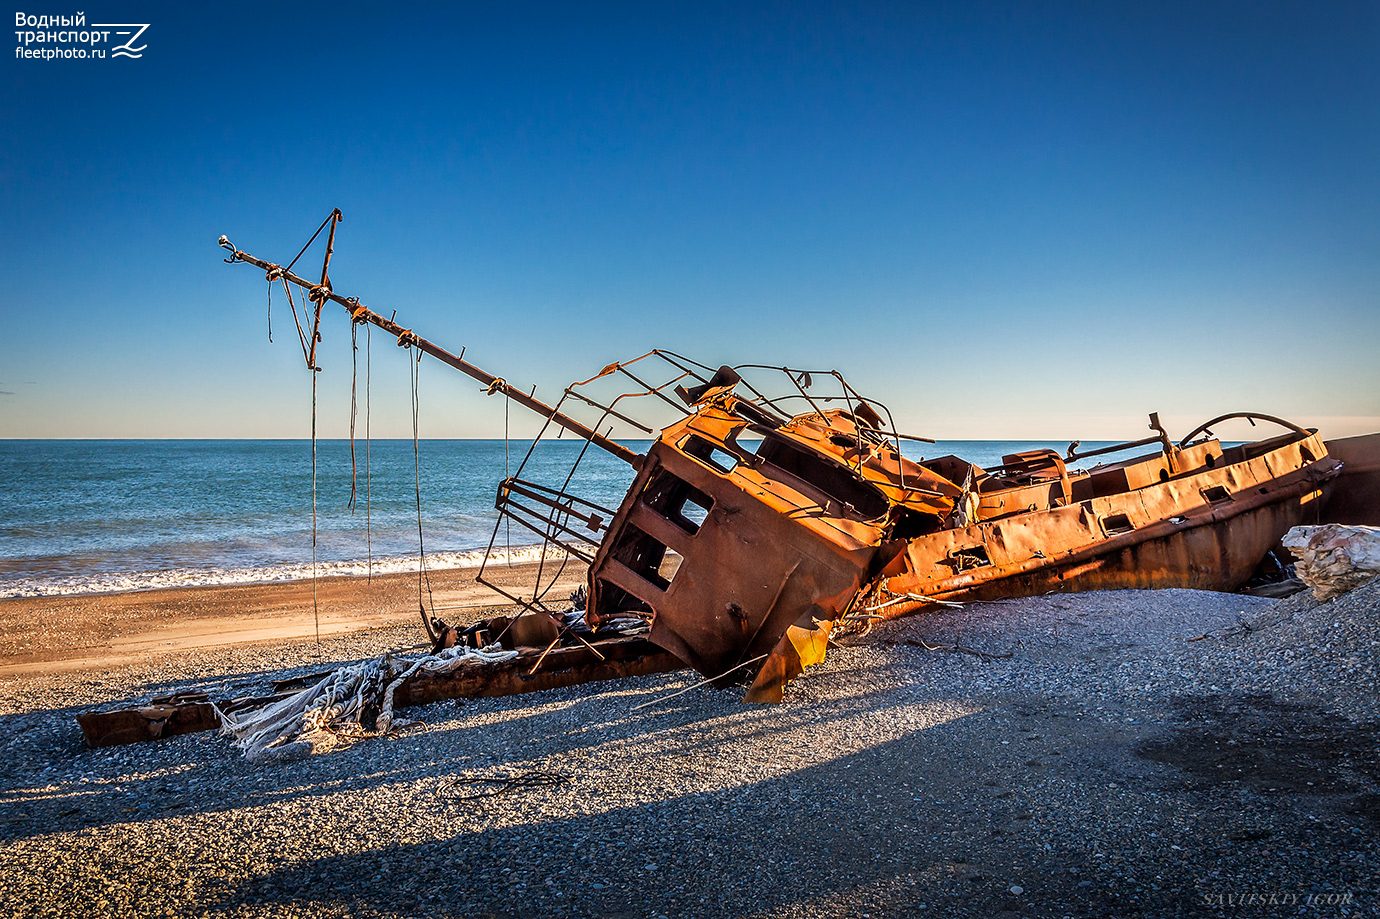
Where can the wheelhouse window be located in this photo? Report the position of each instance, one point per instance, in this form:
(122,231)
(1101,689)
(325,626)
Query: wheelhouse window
(677,500)
(834,480)
(710,453)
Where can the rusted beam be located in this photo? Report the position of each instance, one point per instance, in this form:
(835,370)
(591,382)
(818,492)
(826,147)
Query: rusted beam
(360,313)
(170,716)
(624,657)
(148,722)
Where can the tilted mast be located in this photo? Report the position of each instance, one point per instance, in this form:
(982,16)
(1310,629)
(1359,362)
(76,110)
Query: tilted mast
(319,293)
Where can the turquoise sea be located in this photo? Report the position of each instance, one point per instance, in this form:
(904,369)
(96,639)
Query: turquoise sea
(94,516)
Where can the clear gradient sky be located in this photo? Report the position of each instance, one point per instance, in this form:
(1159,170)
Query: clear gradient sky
(1007,220)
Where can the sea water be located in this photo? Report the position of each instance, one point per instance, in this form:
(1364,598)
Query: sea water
(95,516)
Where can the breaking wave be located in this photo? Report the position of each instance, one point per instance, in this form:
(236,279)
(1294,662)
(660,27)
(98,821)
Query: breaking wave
(121,582)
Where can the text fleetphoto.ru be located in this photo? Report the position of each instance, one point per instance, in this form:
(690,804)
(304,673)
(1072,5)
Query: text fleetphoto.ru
(50,38)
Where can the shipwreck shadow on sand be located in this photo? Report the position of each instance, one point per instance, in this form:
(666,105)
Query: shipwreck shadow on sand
(839,830)
(155,780)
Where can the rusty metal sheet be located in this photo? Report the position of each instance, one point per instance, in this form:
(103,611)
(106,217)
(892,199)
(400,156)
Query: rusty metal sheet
(147,722)
(1355,498)
(1208,529)
(785,543)
(570,666)
(765,552)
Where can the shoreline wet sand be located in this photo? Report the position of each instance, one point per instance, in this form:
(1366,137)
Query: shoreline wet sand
(94,631)
(1139,753)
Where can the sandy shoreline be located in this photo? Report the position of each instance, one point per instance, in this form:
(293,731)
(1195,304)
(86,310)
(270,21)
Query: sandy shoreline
(1131,753)
(46,635)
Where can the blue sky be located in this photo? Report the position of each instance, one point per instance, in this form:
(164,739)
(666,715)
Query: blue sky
(1006,220)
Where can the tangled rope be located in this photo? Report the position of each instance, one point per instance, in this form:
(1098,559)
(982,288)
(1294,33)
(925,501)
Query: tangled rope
(355,701)
(532,778)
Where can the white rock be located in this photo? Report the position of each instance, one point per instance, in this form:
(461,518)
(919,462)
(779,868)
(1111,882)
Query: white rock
(1334,558)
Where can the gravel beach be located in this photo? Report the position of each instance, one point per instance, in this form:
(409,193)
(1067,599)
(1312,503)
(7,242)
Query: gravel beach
(1128,753)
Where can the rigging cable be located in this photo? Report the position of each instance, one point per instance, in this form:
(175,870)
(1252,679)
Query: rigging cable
(354,410)
(301,335)
(310,241)
(368,481)
(309,352)
(315,609)
(414,374)
(507,521)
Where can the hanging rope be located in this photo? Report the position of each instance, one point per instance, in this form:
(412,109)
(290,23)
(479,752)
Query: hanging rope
(368,481)
(423,577)
(277,274)
(507,521)
(318,294)
(315,608)
(500,385)
(354,409)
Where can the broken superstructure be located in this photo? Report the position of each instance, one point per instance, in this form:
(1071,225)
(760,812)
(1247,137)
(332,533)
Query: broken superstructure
(775,504)
(752,530)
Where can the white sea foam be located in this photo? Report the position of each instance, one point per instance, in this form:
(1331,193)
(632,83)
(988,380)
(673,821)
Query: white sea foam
(266,574)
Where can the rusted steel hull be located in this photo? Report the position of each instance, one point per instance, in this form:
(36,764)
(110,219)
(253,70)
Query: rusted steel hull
(786,543)
(1211,555)
(1356,498)
(148,722)
(1207,531)
(765,513)
(571,666)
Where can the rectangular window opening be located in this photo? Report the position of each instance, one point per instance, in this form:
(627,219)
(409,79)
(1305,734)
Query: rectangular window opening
(644,554)
(1216,494)
(838,482)
(614,600)
(711,453)
(1116,524)
(966,559)
(694,512)
(677,500)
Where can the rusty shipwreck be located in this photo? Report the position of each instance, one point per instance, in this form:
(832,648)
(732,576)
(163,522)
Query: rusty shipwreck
(776,504)
(824,519)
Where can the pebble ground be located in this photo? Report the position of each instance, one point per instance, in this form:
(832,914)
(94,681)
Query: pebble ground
(1166,753)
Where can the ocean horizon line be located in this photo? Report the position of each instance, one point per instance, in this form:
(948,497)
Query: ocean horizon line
(547,439)
(98,515)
